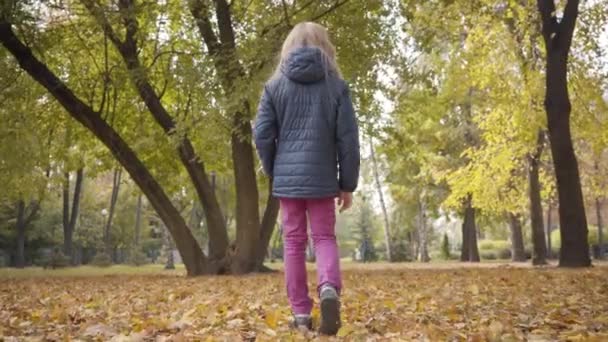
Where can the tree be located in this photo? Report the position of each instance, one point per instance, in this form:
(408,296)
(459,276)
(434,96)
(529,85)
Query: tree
(445,247)
(184,89)
(117,174)
(70,214)
(387,230)
(518,253)
(194,259)
(363,232)
(557,35)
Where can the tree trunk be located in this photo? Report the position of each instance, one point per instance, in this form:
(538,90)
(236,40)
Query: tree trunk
(422,232)
(536,210)
(247,211)
(138,221)
(267,227)
(170,263)
(194,259)
(387,229)
(114,198)
(70,215)
(549,230)
(518,253)
(600,233)
(573,222)
(470,250)
(20,226)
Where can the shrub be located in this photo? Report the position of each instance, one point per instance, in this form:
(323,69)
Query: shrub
(488,255)
(102,260)
(504,253)
(493,245)
(55,260)
(138,258)
(556,238)
(400,251)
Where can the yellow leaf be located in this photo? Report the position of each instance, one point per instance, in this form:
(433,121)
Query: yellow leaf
(474,289)
(272,318)
(346,330)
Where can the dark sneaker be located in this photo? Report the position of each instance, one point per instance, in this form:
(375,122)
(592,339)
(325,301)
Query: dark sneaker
(301,322)
(330,311)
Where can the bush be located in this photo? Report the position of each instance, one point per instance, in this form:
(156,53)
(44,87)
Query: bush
(102,260)
(55,260)
(400,251)
(556,240)
(488,255)
(138,258)
(504,254)
(494,245)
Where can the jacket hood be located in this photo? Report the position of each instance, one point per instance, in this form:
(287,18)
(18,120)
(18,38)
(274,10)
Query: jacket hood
(305,65)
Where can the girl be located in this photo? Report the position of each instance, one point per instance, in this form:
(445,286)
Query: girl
(307,138)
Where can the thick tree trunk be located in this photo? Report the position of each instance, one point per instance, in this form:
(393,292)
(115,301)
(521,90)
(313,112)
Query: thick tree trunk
(549,230)
(387,228)
(471,253)
(464,250)
(20,226)
(70,215)
(230,71)
(573,222)
(194,259)
(422,232)
(247,210)
(600,228)
(518,253)
(138,221)
(194,166)
(114,198)
(536,211)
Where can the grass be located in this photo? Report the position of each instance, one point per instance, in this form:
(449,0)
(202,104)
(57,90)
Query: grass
(90,271)
(157,269)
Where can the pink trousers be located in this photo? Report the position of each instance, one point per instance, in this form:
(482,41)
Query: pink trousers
(322,217)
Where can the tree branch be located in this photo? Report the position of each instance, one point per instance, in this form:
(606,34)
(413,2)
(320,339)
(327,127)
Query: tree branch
(101,19)
(550,25)
(335,6)
(568,23)
(200,12)
(224,23)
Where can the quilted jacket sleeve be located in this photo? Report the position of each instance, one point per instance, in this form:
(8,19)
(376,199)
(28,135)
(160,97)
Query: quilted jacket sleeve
(347,139)
(265,132)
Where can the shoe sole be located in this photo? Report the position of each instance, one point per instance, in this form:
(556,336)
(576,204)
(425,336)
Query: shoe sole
(330,316)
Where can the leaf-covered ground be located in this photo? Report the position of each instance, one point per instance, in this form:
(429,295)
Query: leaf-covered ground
(499,303)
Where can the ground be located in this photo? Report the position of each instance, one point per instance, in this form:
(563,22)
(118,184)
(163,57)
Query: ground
(494,302)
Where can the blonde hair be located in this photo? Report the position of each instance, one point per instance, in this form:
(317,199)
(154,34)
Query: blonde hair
(309,34)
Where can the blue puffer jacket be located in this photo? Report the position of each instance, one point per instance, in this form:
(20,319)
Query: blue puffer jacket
(306,132)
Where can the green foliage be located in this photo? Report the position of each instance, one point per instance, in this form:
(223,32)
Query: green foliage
(138,258)
(488,255)
(102,259)
(556,240)
(493,245)
(56,260)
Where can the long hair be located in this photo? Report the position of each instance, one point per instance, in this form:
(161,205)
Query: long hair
(309,34)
